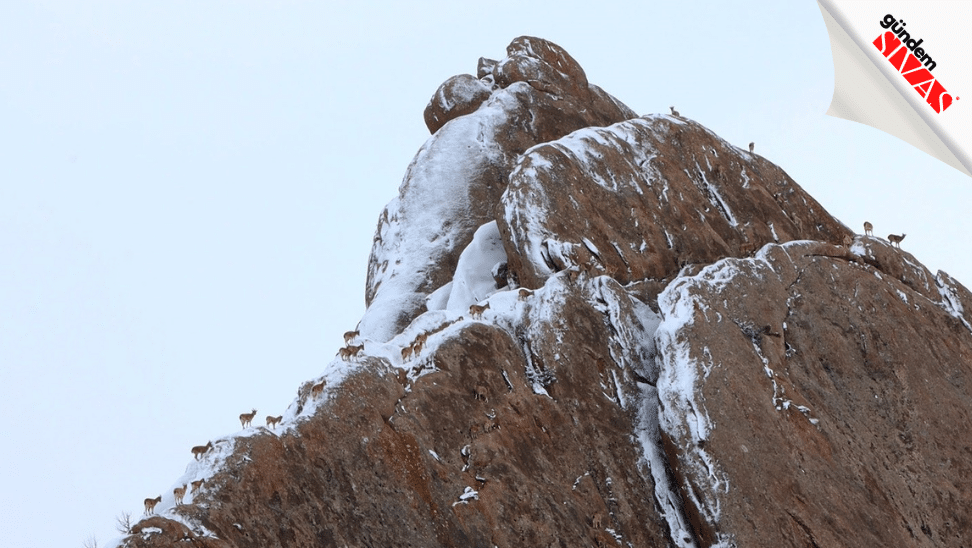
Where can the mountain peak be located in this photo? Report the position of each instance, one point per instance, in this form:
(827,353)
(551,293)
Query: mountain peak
(586,327)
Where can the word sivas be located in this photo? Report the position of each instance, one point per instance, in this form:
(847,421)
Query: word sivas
(905,55)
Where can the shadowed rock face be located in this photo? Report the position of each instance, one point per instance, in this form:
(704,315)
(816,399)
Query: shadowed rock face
(697,364)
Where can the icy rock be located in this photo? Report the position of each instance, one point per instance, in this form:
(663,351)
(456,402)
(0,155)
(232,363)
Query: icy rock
(454,184)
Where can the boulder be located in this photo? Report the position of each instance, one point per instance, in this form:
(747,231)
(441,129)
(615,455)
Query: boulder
(456,97)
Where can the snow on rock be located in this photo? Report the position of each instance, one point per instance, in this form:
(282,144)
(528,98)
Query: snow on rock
(704,315)
(633,381)
(454,183)
(457,96)
(795,359)
(633,326)
(473,280)
(641,197)
(896,263)
(682,413)
(955,298)
(468,494)
(451,188)
(420,234)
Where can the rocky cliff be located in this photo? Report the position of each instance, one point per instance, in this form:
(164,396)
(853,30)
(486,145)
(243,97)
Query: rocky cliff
(588,328)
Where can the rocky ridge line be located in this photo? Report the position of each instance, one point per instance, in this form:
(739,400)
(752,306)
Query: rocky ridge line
(682,348)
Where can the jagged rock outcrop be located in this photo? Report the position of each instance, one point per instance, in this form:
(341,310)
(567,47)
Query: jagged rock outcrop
(811,399)
(460,95)
(453,186)
(641,198)
(681,348)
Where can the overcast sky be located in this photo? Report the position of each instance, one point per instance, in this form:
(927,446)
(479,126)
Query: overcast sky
(189,190)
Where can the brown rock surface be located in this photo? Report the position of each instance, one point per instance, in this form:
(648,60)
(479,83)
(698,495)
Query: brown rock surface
(827,402)
(698,363)
(381,466)
(641,198)
(454,184)
(545,66)
(457,96)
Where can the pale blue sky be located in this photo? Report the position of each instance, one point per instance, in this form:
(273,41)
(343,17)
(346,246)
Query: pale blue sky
(188,194)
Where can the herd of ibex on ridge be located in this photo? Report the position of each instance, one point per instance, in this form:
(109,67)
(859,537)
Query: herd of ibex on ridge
(893,238)
(476,311)
(350,351)
(200,451)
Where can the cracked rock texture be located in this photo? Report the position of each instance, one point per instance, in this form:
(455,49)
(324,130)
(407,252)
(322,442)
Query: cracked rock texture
(686,350)
(836,395)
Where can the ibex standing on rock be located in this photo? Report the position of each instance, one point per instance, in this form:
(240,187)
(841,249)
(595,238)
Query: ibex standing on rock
(350,336)
(349,352)
(179,493)
(246,418)
(476,311)
(751,147)
(200,450)
(196,485)
(868,229)
(317,389)
(150,504)
(419,343)
(524,293)
(674,112)
(896,240)
(272,422)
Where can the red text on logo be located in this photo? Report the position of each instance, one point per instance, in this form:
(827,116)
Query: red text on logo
(913,72)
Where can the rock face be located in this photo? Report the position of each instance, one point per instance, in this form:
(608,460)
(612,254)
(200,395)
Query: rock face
(812,399)
(455,182)
(680,347)
(641,198)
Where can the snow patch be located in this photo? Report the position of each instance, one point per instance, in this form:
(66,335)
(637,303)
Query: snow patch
(431,216)
(715,197)
(473,280)
(648,435)
(468,494)
(950,299)
(439,299)
(682,413)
